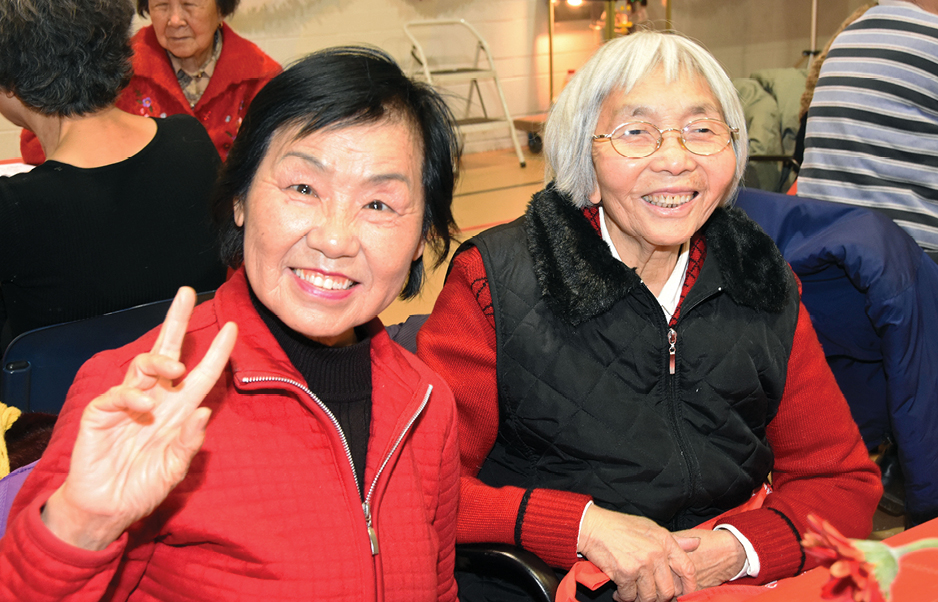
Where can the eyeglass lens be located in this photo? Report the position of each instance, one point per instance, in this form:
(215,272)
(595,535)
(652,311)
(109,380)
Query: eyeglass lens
(640,139)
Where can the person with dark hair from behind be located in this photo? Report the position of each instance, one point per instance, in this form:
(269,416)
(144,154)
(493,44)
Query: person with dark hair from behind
(329,466)
(189,62)
(118,216)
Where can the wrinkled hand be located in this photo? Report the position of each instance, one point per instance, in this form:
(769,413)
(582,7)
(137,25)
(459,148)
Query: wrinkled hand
(135,441)
(646,562)
(718,558)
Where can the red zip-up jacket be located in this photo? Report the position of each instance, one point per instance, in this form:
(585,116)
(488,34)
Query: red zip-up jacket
(270,508)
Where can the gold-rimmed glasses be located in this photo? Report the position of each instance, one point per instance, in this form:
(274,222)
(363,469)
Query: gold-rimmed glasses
(637,139)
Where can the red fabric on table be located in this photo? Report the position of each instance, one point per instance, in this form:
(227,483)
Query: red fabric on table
(917,580)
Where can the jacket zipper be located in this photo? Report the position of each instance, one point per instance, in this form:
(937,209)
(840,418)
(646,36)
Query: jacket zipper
(366,504)
(372,534)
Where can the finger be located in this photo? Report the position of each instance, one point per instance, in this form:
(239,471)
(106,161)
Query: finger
(173,330)
(123,399)
(203,377)
(688,544)
(647,587)
(147,368)
(663,585)
(626,591)
(684,568)
(192,434)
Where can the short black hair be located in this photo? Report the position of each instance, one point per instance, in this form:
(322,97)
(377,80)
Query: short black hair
(339,87)
(65,57)
(226,8)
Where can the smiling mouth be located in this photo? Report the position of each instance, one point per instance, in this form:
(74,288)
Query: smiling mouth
(669,201)
(329,283)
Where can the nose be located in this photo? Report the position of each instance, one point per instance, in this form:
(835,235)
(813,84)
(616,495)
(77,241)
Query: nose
(671,156)
(177,16)
(334,234)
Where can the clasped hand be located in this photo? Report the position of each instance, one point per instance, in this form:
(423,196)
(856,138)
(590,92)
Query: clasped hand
(135,442)
(649,563)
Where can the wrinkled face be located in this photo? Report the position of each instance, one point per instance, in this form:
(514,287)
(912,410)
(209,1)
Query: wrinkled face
(658,202)
(185,27)
(332,222)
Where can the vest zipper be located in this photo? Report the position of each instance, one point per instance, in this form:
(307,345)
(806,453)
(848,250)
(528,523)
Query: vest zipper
(672,350)
(690,460)
(366,504)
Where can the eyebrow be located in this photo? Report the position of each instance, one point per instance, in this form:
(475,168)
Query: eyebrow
(645,111)
(374,179)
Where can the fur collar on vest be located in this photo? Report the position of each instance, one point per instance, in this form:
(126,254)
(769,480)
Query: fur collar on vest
(581,279)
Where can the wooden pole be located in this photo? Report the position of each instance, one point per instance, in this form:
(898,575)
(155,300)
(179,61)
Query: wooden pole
(550,51)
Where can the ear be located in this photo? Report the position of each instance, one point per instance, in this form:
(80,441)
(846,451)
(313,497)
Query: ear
(239,213)
(419,252)
(595,197)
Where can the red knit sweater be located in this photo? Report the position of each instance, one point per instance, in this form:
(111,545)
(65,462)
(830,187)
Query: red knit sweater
(821,464)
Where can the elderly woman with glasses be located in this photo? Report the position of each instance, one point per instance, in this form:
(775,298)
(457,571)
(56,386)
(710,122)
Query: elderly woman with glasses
(630,358)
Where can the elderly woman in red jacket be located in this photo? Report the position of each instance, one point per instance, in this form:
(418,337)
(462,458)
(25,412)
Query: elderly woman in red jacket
(189,61)
(328,467)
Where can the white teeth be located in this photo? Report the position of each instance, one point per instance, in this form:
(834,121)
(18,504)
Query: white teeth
(668,200)
(328,282)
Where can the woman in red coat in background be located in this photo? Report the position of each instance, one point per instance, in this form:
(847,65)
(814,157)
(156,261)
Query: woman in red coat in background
(188,61)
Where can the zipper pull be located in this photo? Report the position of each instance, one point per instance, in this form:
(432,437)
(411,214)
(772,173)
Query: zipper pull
(372,534)
(672,342)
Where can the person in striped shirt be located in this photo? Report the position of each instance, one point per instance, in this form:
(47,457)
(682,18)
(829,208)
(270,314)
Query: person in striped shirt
(872,131)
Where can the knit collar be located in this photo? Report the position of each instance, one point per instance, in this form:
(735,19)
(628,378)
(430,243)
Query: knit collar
(580,279)
(333,373)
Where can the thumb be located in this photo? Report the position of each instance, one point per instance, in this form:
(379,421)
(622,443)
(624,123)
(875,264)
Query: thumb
(688,544)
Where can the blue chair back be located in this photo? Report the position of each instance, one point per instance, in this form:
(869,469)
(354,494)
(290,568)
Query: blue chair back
(40,365)
(872,294)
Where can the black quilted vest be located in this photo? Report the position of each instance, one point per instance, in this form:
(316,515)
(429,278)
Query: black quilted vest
(587,402)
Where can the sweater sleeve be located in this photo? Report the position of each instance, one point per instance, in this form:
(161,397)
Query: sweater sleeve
(458,342)
(34,563)
(821,465)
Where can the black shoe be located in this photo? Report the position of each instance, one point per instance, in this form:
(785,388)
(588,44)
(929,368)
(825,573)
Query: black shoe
(893,500)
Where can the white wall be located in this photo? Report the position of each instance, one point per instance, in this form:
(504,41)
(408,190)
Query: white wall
(745,35)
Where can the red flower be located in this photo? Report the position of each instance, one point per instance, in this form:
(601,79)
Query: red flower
(852,577)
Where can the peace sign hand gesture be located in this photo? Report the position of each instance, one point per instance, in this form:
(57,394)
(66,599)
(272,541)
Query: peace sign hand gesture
(135,441)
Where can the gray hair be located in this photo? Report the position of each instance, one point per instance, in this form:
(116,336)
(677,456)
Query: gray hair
(619,65)
(65,57)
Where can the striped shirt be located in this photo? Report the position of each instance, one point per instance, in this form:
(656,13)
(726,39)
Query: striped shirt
(872,133)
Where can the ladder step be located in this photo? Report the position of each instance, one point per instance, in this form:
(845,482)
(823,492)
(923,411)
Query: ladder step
(456,76)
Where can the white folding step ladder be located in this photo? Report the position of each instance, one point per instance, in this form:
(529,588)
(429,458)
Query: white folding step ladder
(442,75)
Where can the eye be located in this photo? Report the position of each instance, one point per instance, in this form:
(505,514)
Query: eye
(377,205)
(633,131)
(304,189)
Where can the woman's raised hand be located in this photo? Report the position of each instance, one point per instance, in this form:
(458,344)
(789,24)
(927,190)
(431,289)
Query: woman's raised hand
(646,562)
(135,441)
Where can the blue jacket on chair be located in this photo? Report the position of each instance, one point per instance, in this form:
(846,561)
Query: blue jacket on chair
(872,294)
